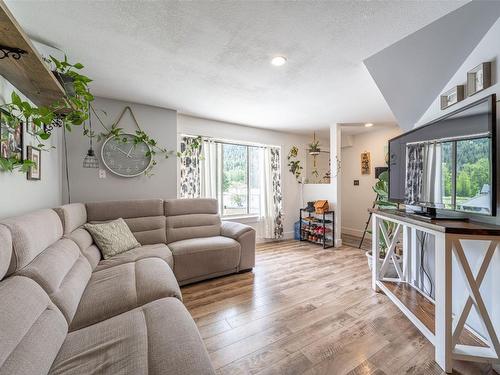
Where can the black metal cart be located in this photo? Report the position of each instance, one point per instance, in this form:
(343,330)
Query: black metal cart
(318,228)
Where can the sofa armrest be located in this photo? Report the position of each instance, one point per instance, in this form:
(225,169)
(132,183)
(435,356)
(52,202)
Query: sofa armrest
(245,235)
(234,230)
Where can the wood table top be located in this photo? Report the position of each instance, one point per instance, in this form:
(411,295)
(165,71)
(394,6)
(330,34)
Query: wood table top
(468,227)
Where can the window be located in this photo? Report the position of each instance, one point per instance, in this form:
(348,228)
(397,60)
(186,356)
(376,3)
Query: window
(242,170)
(466,175)
(473,175)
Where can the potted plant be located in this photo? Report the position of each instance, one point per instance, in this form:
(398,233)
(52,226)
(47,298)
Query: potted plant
(314,148)
(382,190)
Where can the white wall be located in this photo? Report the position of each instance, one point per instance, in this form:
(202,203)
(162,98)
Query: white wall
(487,50)
(159,123)
(291,188)
(19,195)
(357,199)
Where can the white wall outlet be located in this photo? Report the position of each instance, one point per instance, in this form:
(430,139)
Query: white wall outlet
(102,173)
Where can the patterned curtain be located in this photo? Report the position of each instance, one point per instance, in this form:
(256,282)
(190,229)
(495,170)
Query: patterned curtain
(190,170)
(273,199)
(414,169)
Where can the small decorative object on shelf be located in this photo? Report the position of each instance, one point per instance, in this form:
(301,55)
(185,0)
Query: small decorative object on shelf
(453,96)
(479,78)
(317,228)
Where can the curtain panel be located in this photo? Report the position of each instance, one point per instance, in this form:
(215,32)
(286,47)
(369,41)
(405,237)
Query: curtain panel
(190,172)
(272,199)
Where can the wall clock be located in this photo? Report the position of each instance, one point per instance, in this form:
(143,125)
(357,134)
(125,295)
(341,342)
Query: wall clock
(123,158)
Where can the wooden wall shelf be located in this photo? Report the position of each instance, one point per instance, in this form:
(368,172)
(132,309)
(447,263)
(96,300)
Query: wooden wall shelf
(29,74)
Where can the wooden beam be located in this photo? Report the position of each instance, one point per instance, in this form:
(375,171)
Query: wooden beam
(29,74)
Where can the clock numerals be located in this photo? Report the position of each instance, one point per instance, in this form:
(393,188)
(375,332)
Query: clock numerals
(125,158)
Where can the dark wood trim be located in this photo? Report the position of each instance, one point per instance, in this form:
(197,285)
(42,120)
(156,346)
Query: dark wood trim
(446,226)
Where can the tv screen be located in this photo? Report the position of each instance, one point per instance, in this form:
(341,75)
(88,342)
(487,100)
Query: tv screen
(449,163)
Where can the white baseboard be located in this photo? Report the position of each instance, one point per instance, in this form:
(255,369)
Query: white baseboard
(354,232)
(338,242)
(286,236)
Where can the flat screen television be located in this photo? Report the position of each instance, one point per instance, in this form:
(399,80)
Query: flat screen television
(448,164)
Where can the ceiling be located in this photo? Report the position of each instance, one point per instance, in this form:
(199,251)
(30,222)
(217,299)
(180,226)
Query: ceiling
(211,59)
(353,129)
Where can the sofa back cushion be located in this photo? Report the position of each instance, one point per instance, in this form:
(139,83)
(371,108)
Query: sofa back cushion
(191,218)
(5,250)
(32,329)
(31,234)
(74,216)
(55,263)
(144,217)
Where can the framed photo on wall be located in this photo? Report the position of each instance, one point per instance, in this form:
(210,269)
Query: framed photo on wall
(11,138)
(34,155)
(365,163)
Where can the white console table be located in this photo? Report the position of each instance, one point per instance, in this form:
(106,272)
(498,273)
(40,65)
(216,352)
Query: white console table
(449,334)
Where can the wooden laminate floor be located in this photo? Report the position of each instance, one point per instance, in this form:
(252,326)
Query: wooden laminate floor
(305,310)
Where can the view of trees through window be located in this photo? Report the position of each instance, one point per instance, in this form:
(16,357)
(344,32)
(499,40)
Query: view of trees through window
(241,179)
(473,175)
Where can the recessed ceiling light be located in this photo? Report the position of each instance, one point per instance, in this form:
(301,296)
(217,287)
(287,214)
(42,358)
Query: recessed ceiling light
(278,61)
(368,125)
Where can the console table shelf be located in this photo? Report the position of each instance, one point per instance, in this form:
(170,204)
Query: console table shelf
(445,329)
(418,307)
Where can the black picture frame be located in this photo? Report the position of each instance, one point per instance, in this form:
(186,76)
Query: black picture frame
(34,154)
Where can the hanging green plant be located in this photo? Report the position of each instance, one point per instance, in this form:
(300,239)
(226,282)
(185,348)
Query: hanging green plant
(72,110)
(294,164)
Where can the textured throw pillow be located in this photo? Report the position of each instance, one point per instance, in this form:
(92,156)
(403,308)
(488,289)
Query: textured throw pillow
(113,237)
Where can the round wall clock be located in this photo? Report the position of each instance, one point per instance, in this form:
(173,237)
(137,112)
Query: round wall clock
(124,158)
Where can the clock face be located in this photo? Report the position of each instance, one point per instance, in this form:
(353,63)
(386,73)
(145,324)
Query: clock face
(123,158)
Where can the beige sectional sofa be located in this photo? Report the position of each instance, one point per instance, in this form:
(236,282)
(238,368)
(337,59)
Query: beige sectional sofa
(64,310)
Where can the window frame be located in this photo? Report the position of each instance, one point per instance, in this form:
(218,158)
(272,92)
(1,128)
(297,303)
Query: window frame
(220,183)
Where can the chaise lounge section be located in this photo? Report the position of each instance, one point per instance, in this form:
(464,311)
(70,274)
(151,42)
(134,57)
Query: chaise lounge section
(65,310)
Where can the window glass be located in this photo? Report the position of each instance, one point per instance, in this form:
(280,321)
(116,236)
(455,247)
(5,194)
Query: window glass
(234,180)
(473,176)
(447,174)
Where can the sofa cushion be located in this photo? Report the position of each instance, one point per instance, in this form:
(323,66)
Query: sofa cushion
(63,272)
(115,290)
(145,218)
(157,338)
(32,329)
(86,244)
(72,216)
(183,227)
(159,250)
(113,237)
(197,257)
(31,234)
(174,207)
(5,250)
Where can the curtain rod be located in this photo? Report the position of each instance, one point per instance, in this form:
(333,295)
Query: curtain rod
(230,142)
(449,139)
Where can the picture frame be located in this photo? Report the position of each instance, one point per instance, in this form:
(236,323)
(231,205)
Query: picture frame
(479,78)
(452,96)
(365,163)
(35,155)
(30,127)
(11,140)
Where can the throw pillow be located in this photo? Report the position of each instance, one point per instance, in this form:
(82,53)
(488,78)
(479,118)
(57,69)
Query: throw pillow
(113,237)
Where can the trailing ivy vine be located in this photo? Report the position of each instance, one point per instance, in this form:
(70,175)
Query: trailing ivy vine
(72,110)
